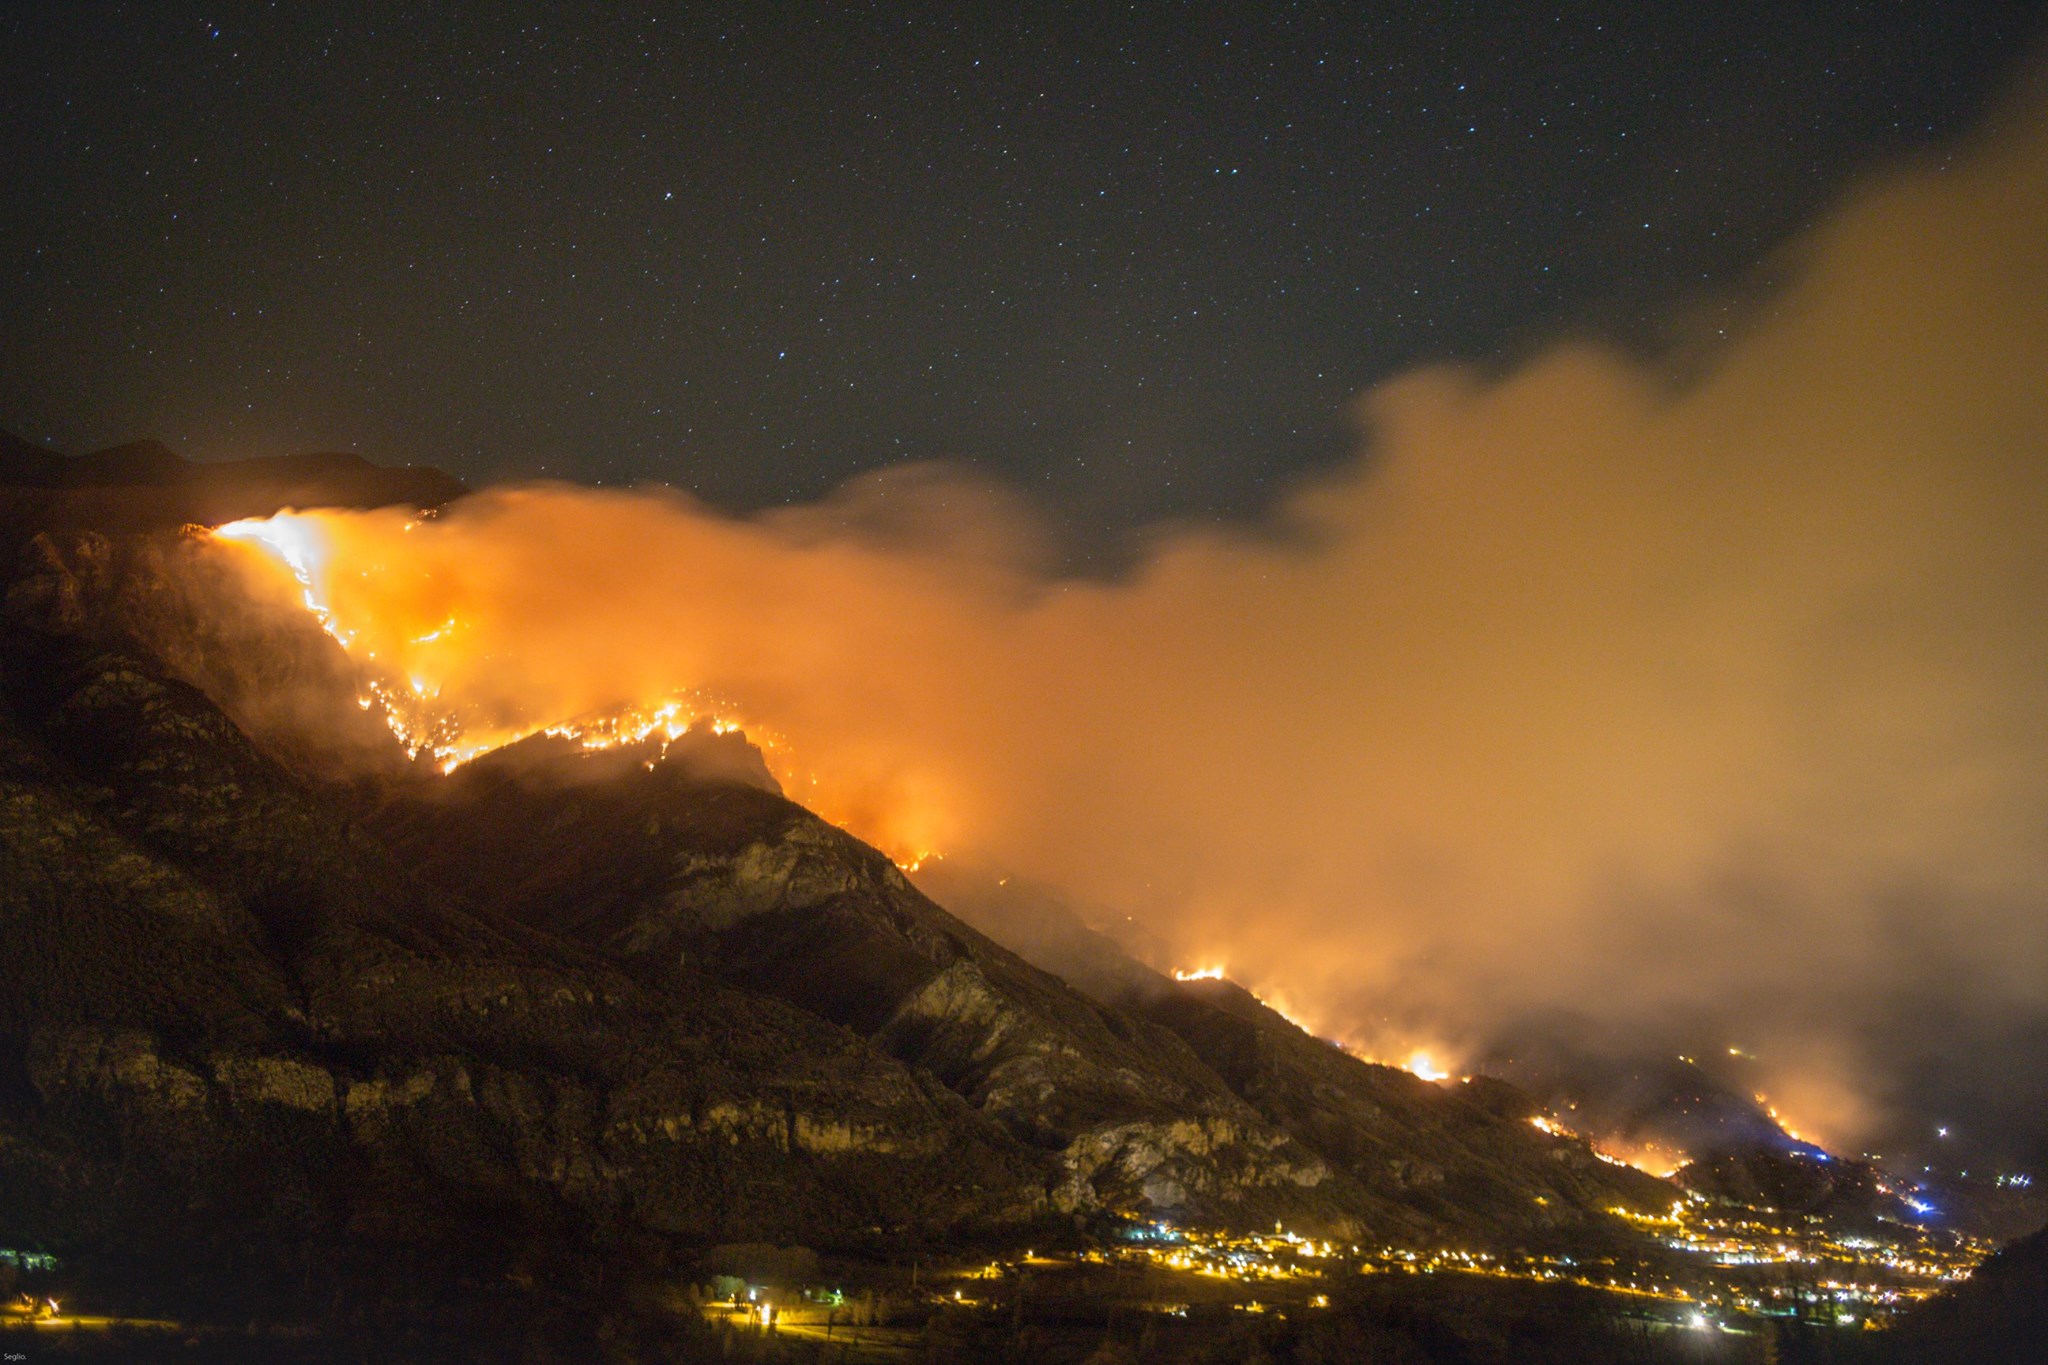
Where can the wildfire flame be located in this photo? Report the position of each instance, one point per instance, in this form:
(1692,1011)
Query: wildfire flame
(458,663)
(296,543)
(1648,1157)
(1420,1062)
(1785,1124)
(405,670)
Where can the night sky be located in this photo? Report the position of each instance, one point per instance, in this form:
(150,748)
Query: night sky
(1133,260)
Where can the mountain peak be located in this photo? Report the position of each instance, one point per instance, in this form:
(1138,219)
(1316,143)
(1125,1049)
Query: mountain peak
(144,485)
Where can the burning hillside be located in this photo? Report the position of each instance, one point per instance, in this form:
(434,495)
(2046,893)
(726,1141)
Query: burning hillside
(451,677)
(1686,714)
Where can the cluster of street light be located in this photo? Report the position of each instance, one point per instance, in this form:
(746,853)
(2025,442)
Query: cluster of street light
(1732,1259)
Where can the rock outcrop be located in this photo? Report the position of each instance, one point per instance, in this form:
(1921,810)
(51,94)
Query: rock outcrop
(1412,1159)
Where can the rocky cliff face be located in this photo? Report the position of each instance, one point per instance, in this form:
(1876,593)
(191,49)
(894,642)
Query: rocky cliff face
(269,992)
(1414,1159)
(662,873)
(196,941)
(240,1043)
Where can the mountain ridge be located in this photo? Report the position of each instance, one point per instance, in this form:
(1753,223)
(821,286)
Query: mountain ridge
(283,1009)
(143,486)
(785,909)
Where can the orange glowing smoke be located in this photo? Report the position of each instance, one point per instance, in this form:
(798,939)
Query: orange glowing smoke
(458,667)
(1651,1158)
(1420,1062)
(1583,690)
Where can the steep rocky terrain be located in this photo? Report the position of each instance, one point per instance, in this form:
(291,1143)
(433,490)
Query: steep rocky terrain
(144,486)
(241,1046)
(1424,1158)
(279,1011)
(661,873)
(223,1009)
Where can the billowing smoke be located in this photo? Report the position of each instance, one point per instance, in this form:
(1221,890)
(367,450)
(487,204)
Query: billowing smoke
(1711,707)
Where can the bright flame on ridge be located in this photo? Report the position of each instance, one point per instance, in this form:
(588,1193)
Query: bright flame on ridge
(296,543)
(1421,1062)
(1648,1157)
(409,698)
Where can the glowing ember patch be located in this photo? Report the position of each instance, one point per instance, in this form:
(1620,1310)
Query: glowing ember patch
(421,671)
(1785,1125)
(296,543)
(1648,1157)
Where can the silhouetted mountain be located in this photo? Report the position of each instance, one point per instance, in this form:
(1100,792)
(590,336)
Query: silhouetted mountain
(25,464)
(607,994)
(145,486)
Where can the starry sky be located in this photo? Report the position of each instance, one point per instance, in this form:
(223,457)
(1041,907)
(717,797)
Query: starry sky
(1133,260)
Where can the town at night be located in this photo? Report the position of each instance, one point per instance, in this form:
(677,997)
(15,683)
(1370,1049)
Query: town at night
(1090,685)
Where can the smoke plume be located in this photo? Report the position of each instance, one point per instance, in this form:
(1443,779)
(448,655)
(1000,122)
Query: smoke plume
(1710,707)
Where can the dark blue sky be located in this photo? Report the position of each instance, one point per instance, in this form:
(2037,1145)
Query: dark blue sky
(1132,259)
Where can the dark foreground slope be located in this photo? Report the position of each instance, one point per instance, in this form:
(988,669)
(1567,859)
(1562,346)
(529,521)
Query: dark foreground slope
(2000,1314)
(228,1022)
(249,1064)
